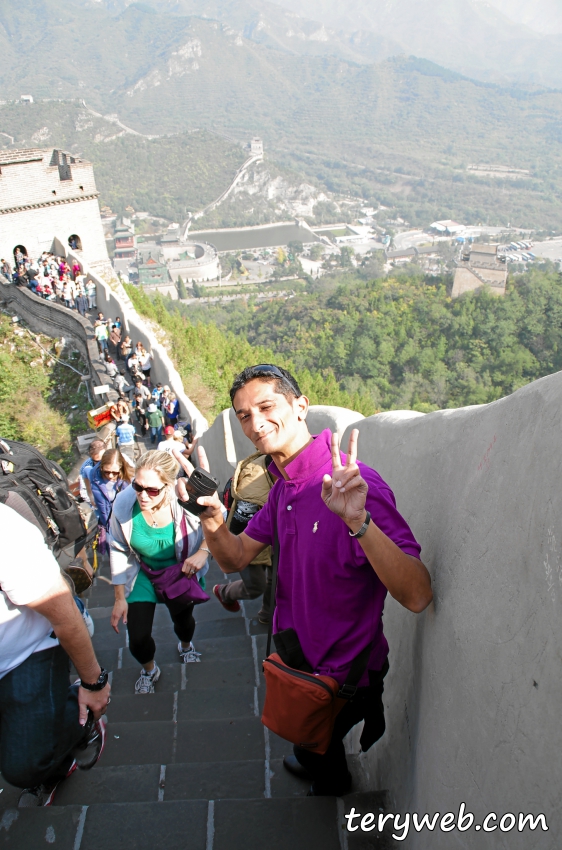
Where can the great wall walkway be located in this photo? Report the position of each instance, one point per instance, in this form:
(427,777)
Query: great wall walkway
(190,766)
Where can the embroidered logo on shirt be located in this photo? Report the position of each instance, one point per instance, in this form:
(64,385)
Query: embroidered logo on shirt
(315,528)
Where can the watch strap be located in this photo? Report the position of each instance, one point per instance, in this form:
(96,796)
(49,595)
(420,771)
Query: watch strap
(363,528)
(99,685)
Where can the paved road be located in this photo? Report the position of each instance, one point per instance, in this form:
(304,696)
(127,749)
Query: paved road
(551,250)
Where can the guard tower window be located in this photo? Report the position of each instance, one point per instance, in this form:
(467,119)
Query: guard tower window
(75,242)
(20,252)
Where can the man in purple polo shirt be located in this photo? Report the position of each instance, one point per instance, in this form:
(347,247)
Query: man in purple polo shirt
(343,545)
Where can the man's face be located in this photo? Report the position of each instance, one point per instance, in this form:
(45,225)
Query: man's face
(96,453)
(272,422)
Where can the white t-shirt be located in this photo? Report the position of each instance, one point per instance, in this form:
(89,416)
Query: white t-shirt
(167,446)
(28,571)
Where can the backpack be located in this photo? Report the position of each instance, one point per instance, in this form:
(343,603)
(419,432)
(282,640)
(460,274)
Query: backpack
(38,489)
(246,493)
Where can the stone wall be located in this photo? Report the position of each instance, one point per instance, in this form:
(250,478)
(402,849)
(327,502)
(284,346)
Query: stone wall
(38,198)
(475,683)
(56,321)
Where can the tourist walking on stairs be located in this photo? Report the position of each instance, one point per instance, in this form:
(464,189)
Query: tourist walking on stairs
(104,482)
(155,543)
(49,727)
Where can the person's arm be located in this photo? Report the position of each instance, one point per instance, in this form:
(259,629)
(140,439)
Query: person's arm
(231,552)
(60,609)
(345,493)
(90,493)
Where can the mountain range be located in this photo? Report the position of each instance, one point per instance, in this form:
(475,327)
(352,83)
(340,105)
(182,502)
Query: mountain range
(401,130)
(501,40)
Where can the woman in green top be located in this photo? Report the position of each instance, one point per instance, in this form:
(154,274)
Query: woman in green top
(150,525)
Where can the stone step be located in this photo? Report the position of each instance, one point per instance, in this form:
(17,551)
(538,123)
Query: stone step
(303,823)
(218,675)
(189,781)
(212,649)
(164,742)
(191,704)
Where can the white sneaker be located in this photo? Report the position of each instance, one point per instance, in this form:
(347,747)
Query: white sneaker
(189,656)
(146,681)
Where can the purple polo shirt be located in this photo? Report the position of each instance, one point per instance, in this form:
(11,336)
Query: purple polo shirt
(326,589)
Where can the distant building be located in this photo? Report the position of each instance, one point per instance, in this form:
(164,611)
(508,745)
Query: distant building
(26,98)
(479,268)
(447,227)
(256,147)
(124,239)
(153,273)
(46,194)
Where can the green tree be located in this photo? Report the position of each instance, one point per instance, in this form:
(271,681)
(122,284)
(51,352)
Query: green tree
(295,247)
(316,251)
(182,292)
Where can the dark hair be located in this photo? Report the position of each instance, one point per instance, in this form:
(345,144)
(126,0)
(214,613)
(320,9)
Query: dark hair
(285,383)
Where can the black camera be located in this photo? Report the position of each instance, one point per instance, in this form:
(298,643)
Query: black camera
(200,483)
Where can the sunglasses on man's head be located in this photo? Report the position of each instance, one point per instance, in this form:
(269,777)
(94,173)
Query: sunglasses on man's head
(150,491)
(268,369)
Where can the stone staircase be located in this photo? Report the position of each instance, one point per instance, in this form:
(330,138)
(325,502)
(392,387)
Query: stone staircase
(190,767)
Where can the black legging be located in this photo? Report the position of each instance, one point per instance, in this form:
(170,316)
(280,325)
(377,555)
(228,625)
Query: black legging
(139,625)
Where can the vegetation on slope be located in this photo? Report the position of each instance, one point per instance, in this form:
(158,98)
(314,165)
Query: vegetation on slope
(208,358)
(41,402)
(168,177)
(401,341)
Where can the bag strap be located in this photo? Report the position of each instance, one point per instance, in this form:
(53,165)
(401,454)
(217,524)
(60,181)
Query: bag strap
(359,663)
(274,566)
(358,667)
(185,537)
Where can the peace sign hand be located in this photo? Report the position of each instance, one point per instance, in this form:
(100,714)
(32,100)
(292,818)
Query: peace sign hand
(345,492)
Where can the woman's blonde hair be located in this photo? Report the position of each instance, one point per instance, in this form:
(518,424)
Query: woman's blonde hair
(164,464)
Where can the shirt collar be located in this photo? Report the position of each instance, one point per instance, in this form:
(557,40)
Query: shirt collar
(310,460)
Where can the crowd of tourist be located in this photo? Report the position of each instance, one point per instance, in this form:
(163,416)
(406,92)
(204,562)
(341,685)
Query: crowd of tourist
(52,278)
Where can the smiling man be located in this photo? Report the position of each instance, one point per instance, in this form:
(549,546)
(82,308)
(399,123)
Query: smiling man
(342,545)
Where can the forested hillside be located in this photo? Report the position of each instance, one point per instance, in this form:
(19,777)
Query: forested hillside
(42,402)
(166,176)
(399,342)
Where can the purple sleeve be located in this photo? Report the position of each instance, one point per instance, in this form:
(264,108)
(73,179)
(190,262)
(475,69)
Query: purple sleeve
(381,504)
(260,527)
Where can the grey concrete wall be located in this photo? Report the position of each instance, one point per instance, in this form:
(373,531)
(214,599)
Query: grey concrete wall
(475,687)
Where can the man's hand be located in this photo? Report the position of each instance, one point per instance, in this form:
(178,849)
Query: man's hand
(345,492)
(95,701)
(212,517)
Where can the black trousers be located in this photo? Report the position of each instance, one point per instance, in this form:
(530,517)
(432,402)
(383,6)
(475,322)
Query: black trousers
(330,773)
(139,625)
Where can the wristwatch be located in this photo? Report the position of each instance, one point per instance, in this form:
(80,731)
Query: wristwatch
(363,528)
(99,685)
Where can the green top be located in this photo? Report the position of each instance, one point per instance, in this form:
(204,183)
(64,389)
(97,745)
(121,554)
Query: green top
(155,419)
(157,548)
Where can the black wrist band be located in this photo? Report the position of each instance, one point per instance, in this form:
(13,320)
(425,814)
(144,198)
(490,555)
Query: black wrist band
(363,528)
(99,685)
